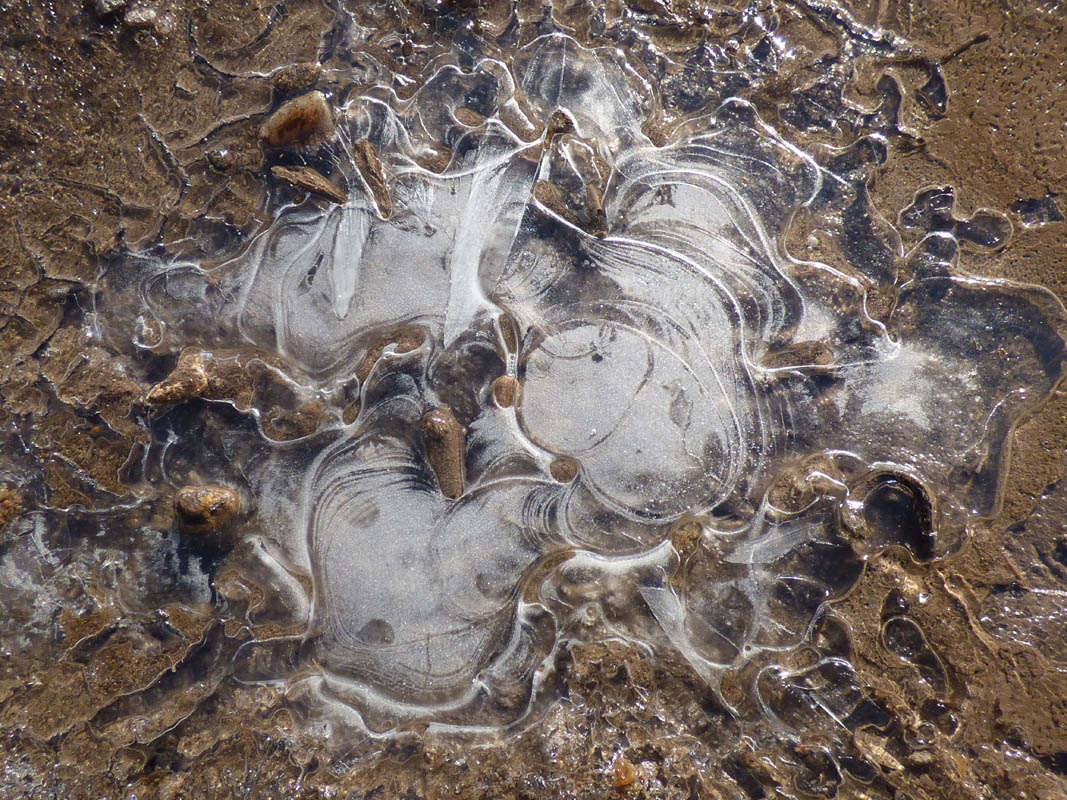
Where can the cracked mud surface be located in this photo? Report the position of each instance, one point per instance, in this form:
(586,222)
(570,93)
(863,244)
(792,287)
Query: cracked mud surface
(138,134)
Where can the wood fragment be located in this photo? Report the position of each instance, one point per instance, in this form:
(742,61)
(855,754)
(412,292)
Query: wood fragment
(370,170)
(311,180)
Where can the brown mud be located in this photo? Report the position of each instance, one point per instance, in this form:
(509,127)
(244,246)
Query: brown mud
(115,135)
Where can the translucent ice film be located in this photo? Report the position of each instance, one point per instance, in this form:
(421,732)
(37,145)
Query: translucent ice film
(550,372)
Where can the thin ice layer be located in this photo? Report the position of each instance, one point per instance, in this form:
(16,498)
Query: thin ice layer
(672,367)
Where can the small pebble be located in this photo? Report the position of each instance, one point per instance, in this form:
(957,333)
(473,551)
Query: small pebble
(505,389)
(404,340)
(594,206)
(205,509)
(468,117)
(350,413)
(552,198)
(799,354)
(11,504)
(141,17)
(295,77)
(508,333)
(446,449)
(625,773)
(920,759)
(301,119)
(564,469)
(558,124)
(104,8)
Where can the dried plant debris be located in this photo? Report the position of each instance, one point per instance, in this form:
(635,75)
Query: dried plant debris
(312,181)
(369,168)
(510,401)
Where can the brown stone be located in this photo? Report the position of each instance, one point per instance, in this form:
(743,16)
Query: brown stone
(10,504)
(685,536)
(188,380)
(295,77)
(564,469)
(594,207)
(558,124)
(404,339)
(303,119)
(205,509)
(624,773)
(799,354)
(445,442)
(505,390)
(468,117)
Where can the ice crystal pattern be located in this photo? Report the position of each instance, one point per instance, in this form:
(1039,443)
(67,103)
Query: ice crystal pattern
(708,435)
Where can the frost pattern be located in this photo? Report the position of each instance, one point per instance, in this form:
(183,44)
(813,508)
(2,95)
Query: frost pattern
(740,431)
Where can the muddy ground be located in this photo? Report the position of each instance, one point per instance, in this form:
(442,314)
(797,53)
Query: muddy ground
(115,135)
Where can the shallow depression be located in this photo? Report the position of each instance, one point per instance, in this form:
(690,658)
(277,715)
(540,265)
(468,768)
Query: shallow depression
(704,438)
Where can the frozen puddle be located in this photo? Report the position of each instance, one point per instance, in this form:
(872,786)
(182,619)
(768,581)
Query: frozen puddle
(600,397)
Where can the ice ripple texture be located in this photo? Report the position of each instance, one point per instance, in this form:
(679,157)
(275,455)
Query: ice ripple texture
(707,438)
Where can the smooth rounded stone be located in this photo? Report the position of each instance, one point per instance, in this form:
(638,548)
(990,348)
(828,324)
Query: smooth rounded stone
(564,469)
(505,390)
(301,119)
(445,443)
(205,509)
